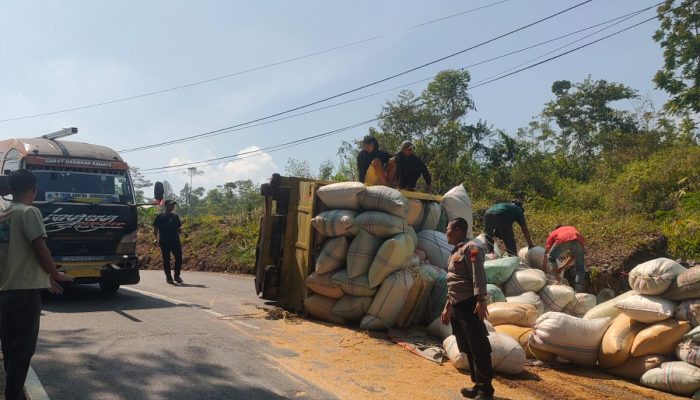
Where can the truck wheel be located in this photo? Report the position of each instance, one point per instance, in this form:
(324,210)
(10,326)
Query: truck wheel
(109,287)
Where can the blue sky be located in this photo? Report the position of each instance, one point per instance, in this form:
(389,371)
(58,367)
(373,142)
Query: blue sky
(58,55)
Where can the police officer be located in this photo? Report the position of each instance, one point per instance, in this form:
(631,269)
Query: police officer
(167,225)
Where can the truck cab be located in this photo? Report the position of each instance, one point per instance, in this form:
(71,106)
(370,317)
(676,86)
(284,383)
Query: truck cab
(86,197)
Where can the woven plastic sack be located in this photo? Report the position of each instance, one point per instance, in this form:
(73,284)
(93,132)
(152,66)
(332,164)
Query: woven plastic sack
(522,335)
(495,294)
(414,236)
(333,255)
(571,338)
(675,377)
(654,277)
(438,329)
(556,297)
(689,310)
(431,216)
(414,217)
(608,309)
(421,313)
(659,338)
(384,199)
(456,203)
(341,195)
(520,314)
(689,351)
(357,286)
(525,280)
(458,359)
(582,303)
(419,293)
(324,285)
(388,301)
(507,356)
(361,253)
(532,257)
(685,286)
(390,257)
(379,224)
(436,247)
(635,367)
(647,309)
(335,223)
(617,342)
(438,296)
(321,307)
(481,242)
(528,298)
(498,271)
(351,308)
(694,334)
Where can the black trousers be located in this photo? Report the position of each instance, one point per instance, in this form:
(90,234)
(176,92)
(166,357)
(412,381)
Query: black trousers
(20,311)
(472,339)
(174,247)
(498,226)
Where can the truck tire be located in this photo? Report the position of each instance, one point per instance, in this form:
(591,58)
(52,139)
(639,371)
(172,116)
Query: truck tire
(109,287)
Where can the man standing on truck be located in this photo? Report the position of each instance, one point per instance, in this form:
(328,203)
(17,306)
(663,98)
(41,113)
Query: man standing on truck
(498,223)
(26,267)
(167,225)
(373,165)
(410,167)
(466,308)
(560,240)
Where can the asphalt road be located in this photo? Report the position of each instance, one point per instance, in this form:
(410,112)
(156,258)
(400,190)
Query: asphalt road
(162,342)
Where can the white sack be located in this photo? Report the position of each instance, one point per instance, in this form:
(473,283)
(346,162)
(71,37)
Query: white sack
(384,199)
(525,280)
(357,286)
(415,212)
(689,351)
(582,303)
(532,257)
(647,309)
(436,247)
(654,277)
(528,298)
(335,223)
(431,216)
(458,360)
(388,302)
(456,203)
(689,310)
(333,255)
(556,297)
(361,253)
(351,308)
(676,377)
(390,257)
(608,309)
(379,224)
(507,356)
(341,195)
(571,338)
(324,285)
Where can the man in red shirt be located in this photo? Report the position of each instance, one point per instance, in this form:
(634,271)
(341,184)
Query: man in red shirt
(563,239)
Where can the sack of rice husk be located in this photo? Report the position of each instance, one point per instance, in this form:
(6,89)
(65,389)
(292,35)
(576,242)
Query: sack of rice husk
(635,367)
(659,338)
(498,271)
(481,242)
(689,310)
(419,292)
(415,212)
(617,341)
(456,203)
(694,334)
(438,329)
(608,309)
(321,307)
(507,356)
(689,351)
(528,298)
(532,257)
(351,308)
(458,359)
(384,199)
(648,309)
(435,246)
(358,286)
(438,296)
(571,338)
(420,313)
(431,216)
(335,223)
(390,257)
(379,224)
(520,314)
(654,277)
(324,285)
(414,236)
(333,255)
(522,335)
(556,297)
(582,303)
(685,286)
(675,377)
(341,195)
(361,253)
(525,280)
(387,303)
(495,294)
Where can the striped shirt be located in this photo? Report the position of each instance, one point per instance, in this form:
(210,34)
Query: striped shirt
(466,276)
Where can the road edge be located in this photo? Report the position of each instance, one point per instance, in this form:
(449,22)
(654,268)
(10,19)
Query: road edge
(33,387)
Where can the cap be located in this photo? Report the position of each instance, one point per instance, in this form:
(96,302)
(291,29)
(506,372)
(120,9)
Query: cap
(170,202)
(407,144)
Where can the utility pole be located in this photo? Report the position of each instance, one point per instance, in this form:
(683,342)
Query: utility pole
(191,172)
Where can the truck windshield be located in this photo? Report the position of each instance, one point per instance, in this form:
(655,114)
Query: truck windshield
(65,185)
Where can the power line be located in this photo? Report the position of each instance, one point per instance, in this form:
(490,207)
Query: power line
(254,69)
(313,103)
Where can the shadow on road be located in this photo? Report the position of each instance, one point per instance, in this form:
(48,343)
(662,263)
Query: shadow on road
(89,298)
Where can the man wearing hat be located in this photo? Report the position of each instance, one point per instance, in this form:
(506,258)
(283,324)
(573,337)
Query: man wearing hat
(166,229)
(409,167)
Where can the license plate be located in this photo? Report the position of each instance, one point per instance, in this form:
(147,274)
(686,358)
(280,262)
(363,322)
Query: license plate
(84,272)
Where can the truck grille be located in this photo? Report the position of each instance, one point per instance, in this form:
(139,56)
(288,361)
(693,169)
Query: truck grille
(81,245)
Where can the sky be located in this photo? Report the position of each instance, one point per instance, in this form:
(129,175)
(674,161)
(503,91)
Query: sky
(60,55)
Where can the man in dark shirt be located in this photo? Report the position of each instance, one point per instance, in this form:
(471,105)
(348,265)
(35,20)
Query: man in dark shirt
(167,225)
(498,223)
(410,167)
(370,157)
(466,308)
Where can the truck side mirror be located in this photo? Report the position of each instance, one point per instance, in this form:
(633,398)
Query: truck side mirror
(4,185)
(158,191)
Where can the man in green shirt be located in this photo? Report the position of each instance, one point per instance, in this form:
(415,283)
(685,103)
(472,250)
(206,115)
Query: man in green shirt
(498,223)
(26,267)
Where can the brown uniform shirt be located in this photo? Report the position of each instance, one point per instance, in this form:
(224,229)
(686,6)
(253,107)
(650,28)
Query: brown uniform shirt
(466,276)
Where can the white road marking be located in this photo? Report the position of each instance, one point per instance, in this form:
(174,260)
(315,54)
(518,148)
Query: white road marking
(34,388)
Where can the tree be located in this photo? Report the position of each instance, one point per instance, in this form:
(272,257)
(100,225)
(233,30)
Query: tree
(298,168)
(140,182)
(325,170)
(679,36)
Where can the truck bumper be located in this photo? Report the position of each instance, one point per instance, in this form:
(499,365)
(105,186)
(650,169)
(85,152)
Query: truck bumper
(123,272)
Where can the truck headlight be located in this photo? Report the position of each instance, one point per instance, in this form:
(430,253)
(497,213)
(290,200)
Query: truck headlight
(128,244)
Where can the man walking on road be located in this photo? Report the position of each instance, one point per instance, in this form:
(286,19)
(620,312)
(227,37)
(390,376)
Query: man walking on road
(26,267)
(498,223)
(466,308)
(167,225)
(410,167)
(559,241)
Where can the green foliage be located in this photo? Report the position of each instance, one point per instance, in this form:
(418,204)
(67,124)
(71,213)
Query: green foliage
(140,182)
(682,226)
